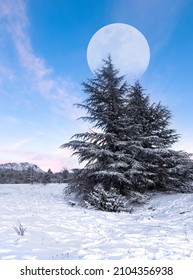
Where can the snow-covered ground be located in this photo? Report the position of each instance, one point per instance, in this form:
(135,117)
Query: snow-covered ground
(162,229)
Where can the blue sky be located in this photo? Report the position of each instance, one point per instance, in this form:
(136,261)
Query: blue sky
(43,61)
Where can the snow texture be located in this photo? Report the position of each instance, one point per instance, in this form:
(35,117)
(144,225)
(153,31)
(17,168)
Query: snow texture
(56,227)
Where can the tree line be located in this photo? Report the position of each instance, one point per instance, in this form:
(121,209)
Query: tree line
(30,176)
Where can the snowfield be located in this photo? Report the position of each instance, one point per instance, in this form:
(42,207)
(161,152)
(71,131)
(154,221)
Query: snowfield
(57,229)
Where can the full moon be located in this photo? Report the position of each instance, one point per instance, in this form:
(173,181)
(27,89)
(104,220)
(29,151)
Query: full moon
(125,44)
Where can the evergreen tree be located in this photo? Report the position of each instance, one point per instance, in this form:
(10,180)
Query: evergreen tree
(64,175)
(154,165)
(46,179)
(131,150)
(105,161)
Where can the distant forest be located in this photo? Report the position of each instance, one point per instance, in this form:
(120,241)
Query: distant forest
(30,176)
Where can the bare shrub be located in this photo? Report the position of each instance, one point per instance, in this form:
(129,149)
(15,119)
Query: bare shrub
(19,229)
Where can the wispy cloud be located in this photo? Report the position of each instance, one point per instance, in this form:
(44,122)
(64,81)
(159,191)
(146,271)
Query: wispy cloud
(14,146)
(15,15)
(8,118)
(61,93)
(34,76)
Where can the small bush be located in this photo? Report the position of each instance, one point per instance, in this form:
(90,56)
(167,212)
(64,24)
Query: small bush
(104,200)
(19,229)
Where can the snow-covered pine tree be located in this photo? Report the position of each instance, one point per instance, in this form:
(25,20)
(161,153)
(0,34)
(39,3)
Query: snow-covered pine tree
(132,148)
(154,165)
(106,161)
